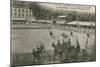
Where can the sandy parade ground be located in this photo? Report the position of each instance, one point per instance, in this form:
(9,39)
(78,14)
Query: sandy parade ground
(26,37)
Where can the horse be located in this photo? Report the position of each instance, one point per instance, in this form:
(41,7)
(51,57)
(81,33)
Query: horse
(57,51)
(36,54)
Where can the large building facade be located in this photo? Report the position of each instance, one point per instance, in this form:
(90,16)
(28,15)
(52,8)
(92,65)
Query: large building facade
(20,14)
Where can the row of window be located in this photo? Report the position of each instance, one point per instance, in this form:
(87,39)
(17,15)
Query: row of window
(21,15)
(21,10)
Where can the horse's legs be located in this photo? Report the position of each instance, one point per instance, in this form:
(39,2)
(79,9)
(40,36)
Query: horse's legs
(34,59)
(60,57)
(55,55)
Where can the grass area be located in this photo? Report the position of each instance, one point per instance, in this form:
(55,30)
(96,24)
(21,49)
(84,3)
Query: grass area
(27,58)
(20,59)
(24,59)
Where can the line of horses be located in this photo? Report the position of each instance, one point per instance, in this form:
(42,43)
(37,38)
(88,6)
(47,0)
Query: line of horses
(63,52)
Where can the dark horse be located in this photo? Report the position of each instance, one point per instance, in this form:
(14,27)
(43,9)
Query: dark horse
(37,53)
(57,51)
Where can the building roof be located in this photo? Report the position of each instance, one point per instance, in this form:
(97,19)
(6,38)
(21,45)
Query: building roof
(82,23)
(62,16)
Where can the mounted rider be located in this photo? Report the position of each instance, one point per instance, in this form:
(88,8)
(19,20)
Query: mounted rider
(38,52)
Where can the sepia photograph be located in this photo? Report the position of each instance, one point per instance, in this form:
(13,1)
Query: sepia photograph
(51,33)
